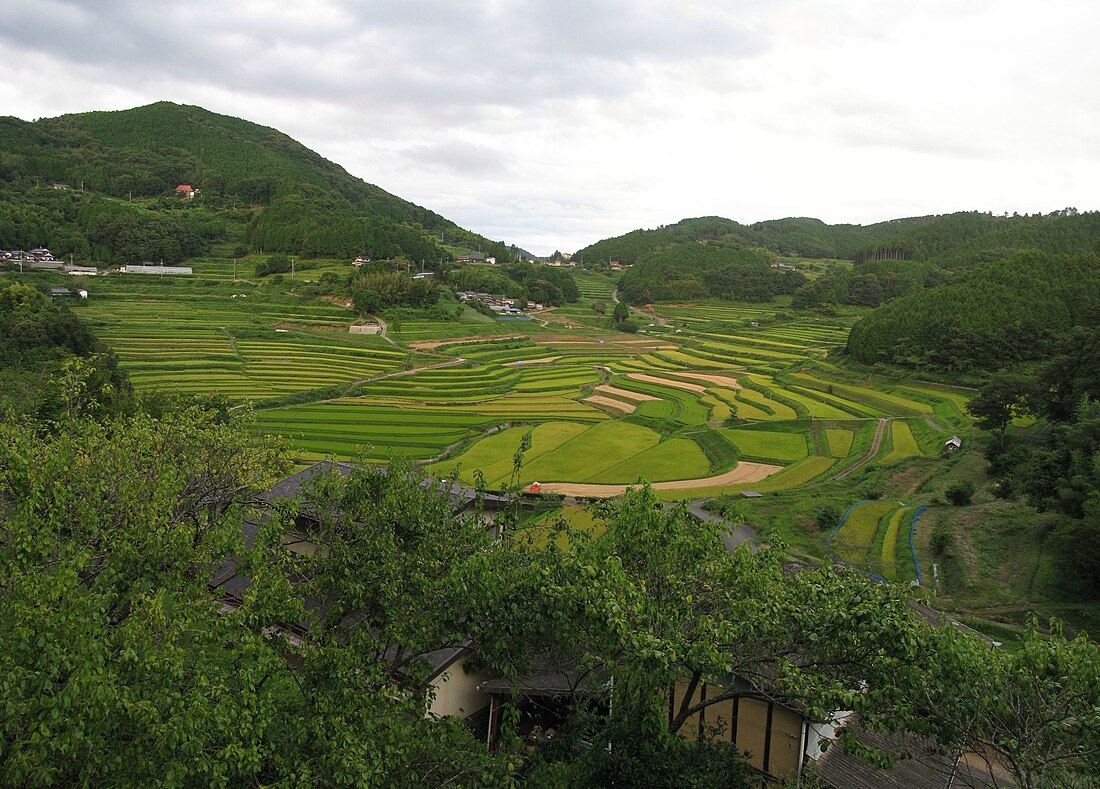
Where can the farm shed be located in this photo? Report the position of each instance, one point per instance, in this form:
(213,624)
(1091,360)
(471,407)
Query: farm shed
(952,444)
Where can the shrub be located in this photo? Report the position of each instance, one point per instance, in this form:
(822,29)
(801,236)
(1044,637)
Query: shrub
(942,541)
(871,490)
(276,264)
(827,517)
(959,493)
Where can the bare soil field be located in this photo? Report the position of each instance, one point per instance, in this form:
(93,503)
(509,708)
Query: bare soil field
(714,378)
(653,379)
(637,397)
(745,471)
(616,405)
(527,362)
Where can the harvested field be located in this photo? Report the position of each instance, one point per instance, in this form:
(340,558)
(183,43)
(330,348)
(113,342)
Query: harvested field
(743,472)
(615,405)
(544,360)
(653,379)
(714,378)
(625,394)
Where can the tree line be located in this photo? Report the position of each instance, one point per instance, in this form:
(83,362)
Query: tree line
(1056,469)
(686,272)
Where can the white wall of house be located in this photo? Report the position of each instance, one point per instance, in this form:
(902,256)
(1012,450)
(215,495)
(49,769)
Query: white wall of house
(456,692)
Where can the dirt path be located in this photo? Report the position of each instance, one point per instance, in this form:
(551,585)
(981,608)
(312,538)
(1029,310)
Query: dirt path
(413,371)
(876,442)
(652,317)
(432,345)
(933,425)
(745,471)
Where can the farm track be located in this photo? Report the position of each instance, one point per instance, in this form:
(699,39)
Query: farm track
(934,426)
(413,371)
(236,351)
(384,333)
(876,442)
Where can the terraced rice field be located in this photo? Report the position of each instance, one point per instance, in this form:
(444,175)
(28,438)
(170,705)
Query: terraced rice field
(874,536)
(768,446)
(840,442)
(683,401)
(852,542)
(236,340)
(347,428)
(904,445)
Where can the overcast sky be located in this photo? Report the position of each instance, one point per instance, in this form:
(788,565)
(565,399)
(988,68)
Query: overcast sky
(554,123)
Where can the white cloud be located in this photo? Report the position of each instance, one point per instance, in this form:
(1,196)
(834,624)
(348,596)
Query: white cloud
(553,124)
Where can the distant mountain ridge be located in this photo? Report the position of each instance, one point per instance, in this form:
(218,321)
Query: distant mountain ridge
(947,240)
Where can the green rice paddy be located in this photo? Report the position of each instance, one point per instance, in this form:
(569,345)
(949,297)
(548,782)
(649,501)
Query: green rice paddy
(471,396)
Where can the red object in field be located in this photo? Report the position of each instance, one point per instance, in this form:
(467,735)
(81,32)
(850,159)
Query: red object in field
(535,487)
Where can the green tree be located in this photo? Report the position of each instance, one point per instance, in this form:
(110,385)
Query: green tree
(1004,398)
(274,264)
(122,666)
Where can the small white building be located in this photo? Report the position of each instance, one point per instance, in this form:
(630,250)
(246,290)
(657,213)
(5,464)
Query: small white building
(952,444)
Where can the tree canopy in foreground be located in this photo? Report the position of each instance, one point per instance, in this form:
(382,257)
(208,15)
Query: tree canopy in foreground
(120,665)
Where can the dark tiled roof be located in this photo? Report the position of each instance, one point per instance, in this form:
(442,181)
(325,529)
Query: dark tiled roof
(925,770)
(552,680)
(291,486)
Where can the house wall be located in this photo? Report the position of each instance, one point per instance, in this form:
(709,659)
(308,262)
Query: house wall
(456,692)
(770,733)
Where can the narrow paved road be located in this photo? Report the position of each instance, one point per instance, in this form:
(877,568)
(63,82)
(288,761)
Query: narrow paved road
(731,539)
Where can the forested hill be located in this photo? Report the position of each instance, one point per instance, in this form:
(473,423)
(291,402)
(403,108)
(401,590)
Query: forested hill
(950,241)
(997,316)
(297,201)
(687,272)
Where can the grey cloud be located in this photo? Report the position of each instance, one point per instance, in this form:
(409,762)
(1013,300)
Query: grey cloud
(443,59)
(460,158)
